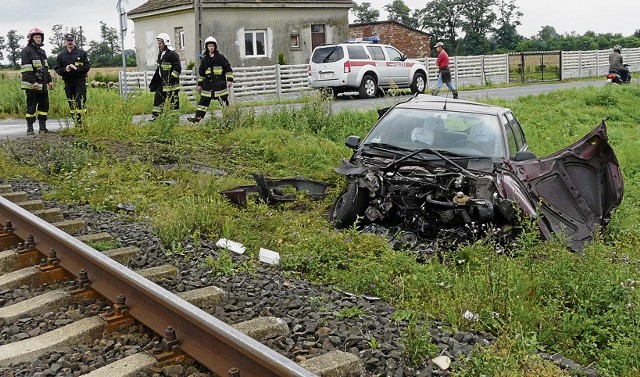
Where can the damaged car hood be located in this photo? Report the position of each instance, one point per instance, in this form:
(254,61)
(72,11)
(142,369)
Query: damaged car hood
(577,188)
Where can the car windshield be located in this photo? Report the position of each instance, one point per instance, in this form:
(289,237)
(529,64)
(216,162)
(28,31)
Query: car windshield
(465,134)
(328,54)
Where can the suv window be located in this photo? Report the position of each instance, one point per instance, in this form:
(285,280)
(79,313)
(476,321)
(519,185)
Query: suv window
(376,52)
(328,54)
(357,52)
(394,54)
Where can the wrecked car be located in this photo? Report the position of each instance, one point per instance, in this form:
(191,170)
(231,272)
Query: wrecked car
(435,172)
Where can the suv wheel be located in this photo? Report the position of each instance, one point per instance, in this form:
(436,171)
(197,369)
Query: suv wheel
(368,87)
(419,83)
(350,204)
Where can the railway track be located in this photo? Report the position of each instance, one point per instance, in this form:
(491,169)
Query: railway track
(105,297)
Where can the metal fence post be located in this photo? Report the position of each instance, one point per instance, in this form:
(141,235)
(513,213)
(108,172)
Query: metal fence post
(483,75)
(455,65)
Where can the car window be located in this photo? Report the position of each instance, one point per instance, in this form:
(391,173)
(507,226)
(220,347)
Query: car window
(511,139)
(357,52)
(517,130)
(459,133)
(327,54)
(394,54)
(376,52)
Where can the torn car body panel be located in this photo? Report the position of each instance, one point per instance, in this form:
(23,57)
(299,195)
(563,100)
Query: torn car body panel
(274,190)
(577,188)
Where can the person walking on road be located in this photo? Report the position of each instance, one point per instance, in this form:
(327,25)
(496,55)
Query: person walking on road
(72,65)
(166,80)
(444,74)
(216,77)
(36,80)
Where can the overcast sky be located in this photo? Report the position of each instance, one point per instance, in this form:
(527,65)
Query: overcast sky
(565,16)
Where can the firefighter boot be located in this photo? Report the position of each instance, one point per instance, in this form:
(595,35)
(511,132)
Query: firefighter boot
(43,127)
(30,128)
(455,94)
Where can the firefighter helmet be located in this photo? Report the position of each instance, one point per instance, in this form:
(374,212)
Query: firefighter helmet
(166,40)
(210,40)
(617,48)
(33,32)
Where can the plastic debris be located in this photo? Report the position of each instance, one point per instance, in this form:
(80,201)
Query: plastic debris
(470,316)
(443,362)
(268,256)
(233,246)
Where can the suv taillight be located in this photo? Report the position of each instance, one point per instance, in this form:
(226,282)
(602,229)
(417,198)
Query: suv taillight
(347,67)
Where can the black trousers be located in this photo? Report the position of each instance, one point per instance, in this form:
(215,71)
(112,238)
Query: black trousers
(37,106)
(76,92)
(205,101)
(161,96)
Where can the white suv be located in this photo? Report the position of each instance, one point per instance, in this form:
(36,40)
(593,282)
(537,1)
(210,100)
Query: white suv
(364,67)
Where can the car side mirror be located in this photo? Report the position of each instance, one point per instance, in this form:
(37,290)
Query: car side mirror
(353,142)
(403,57)
(524,156)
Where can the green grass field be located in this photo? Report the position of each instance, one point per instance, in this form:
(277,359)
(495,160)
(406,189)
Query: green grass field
(542,297)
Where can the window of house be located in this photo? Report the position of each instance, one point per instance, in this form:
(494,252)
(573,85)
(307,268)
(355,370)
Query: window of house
(254,43)
(295,40)
(178,35)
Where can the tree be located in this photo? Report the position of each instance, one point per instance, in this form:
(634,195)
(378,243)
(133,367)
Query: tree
(442,19)
(364,13)
(109,36)
(13,47)
(477,21)
(56,39)
(399,11)
(506,35)
(2,47)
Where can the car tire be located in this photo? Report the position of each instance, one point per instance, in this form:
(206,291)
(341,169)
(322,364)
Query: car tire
(351,203)
(368,87)
(419,83)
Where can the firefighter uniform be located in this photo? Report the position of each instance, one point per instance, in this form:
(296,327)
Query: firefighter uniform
(35,81)
(214,74)
(75,80)
(168,70)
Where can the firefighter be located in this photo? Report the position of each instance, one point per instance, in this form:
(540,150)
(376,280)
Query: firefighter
(216,77)
(72,65)
(167,76)
(36,80)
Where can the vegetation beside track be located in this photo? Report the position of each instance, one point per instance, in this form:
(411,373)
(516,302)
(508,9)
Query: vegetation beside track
(539,298)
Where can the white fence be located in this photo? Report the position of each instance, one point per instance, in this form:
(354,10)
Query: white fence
(279,81)
(275,81)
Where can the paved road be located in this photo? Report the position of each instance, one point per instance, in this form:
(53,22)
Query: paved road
(13,128)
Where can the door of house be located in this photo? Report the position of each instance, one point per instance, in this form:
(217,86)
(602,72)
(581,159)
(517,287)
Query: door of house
(318,36)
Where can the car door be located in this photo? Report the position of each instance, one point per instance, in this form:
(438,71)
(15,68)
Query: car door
(379,58)
(577,188)
(399,70)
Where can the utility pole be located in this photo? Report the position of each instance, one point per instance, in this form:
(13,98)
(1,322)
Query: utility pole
(197,4)
(123,31)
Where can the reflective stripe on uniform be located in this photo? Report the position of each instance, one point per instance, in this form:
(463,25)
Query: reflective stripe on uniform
(26,68)
(175,74)
(203,108)
(229,75)
(42,113)
(217,70)
(30,115)
(221,93)
(205,93)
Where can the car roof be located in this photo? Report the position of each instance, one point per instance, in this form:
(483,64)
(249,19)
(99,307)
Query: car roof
(429,102)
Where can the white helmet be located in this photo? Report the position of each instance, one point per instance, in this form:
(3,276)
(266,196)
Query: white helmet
(210,40)
(165,38)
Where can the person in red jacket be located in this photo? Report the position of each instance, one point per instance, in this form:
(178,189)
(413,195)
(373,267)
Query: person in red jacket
(36,80)
(444,74)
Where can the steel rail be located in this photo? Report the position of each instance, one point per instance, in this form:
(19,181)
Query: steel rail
(210,341)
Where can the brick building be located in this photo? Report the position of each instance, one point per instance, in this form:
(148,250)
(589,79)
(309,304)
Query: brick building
(414,43)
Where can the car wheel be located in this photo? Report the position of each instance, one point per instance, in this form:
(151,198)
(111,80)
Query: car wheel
(368,87)
(419,83)
(348,206)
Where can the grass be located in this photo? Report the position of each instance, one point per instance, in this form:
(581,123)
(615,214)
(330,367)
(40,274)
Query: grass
(542,298)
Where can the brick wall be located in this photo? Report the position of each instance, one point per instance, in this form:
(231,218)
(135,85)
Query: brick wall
(413,43)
